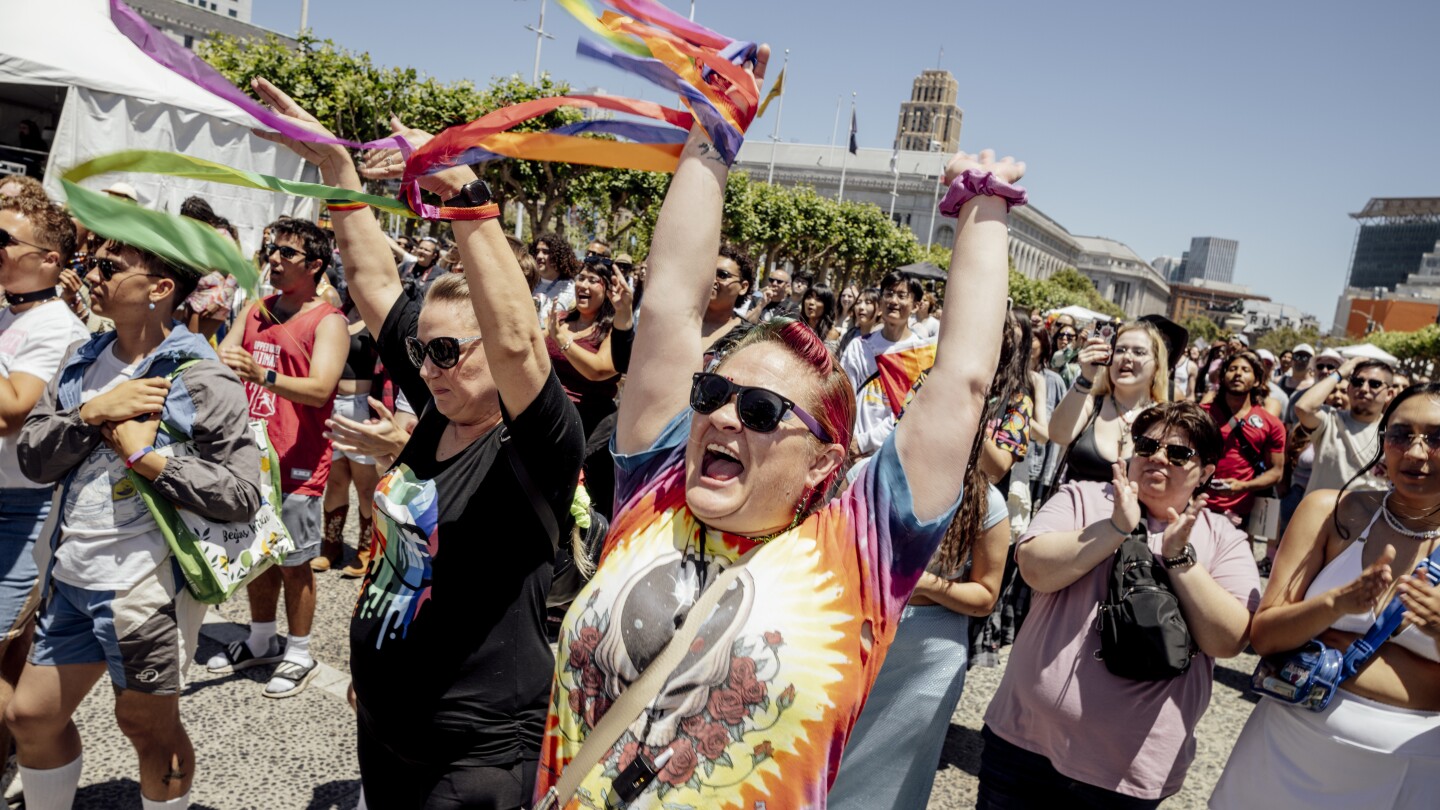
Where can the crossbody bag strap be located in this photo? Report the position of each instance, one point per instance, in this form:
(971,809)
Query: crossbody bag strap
(1248,450)
(1364,648)
(537,501)
(631,703)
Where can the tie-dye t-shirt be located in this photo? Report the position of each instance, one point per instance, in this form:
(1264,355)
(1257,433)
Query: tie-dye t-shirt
(758,714)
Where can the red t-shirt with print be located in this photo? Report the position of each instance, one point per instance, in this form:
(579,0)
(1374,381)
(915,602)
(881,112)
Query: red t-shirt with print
(296,431)
(1266,435)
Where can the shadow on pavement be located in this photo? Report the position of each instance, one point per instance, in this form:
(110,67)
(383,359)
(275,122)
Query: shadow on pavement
(116,794)
(341,794)
(1237,680)
(962,750)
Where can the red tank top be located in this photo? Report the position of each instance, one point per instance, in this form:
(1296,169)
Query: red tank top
(296,431)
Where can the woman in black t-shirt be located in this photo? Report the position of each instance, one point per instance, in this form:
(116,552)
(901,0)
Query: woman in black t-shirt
(450,665)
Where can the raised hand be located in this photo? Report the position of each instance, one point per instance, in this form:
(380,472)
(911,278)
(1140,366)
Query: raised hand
(622,298)
(1006,169)
(1093,355)
(323,155)
(1126,515)
(388,164)
(1177,532)
(126,401)
(1363,593)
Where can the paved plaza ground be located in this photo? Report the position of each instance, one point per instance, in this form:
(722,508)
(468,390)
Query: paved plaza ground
(255,753)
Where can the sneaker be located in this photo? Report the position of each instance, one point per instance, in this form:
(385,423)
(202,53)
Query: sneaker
(237,656)
(291,678)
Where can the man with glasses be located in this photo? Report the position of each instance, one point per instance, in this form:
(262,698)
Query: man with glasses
(885,364)
(290,350)
(775,301)
(1346,441)
(36,242)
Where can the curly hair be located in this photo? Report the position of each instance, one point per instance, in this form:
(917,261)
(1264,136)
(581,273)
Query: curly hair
(52,226)
(562,256)
(742,260)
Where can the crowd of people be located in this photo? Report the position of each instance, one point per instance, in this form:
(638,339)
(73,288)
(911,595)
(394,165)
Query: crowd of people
(825,501)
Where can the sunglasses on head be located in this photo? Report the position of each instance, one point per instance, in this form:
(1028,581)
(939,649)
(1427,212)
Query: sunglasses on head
(7,239)
(595,259)
(759,409)
(289,254)
(1178,455)
(444,352)
(1372,384)
(1402,436)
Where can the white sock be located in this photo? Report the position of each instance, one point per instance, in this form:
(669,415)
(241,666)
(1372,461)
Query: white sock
(297,650)
(177,803)
(261,634)
(53,788)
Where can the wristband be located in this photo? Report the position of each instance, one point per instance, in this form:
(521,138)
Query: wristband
(972,183)
(1084,384)
(139,454)
(1116,527)
(476,214)
(1337,376)
(346,206)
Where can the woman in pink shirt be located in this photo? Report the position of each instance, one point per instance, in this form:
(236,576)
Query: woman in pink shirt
(1061,723)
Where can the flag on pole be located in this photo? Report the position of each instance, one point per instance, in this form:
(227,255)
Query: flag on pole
(854,147)
(773,94)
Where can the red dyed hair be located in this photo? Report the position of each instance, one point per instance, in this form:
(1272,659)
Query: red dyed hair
(832,402)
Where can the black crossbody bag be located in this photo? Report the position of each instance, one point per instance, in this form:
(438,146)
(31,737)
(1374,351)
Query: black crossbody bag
(1143,634)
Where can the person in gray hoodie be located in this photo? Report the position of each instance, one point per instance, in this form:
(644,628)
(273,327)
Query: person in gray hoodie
(114,598)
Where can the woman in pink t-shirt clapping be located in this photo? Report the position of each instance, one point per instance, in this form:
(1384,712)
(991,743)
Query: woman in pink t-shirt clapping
(1061,723)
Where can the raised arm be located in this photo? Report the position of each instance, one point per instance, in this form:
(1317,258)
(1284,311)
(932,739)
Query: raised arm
(940,427)
(1312,400)
(370,273)
(681,273)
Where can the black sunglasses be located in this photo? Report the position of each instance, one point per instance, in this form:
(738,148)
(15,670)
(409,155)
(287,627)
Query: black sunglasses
(7,239)
(444,351)
(596,259)
(109,268)
(773,281)
(1177,454)
(1403,436)
(760,409)
(1326,367)
(1361,382)
(287,253)
(625,267)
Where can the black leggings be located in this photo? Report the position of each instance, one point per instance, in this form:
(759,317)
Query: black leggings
(392,782)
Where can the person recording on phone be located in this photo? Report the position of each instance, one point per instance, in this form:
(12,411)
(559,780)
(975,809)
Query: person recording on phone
(1124,369)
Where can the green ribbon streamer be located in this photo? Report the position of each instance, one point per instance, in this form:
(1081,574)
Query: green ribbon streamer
(178,165)
(181,241)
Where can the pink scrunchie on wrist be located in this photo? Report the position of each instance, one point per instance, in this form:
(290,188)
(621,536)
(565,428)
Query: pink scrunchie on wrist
(971,184)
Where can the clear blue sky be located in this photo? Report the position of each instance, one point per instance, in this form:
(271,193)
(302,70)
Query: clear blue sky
(1266,122)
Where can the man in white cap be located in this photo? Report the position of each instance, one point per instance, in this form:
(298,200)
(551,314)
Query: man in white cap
(1346,441)
(1300,375)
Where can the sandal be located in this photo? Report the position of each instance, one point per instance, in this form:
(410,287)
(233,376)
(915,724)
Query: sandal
(237,656)
(291,678)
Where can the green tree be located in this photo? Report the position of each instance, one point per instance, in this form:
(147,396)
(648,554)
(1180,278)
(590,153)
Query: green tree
(1285,338)
(1201,328)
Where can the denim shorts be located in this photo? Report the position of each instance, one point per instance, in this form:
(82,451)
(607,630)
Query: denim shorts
(301,516)
(146,635)
(22,514)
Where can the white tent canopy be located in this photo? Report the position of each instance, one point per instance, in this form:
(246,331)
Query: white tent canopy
(1079,313)
(121,99)
(1369,351)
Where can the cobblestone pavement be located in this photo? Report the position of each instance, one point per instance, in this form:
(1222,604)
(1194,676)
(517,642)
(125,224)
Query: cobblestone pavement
(298,753)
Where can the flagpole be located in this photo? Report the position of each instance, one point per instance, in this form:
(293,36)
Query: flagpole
(834,130)
(845,159)
(779,111)
(895,170)
(929,238)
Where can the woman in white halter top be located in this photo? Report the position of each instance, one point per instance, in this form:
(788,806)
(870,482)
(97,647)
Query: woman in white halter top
(1344,557)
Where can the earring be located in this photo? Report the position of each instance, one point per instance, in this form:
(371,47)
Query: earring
(152,304)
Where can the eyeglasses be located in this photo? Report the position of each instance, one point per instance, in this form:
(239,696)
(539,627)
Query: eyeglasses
(1065,336)
(1138,353)
(289,254)
(895,295)
(1372,383)
(1325,367)
(594,259)
(1178,455)
(1402,436)
(1302,357)
(444,351)
(625,267)
(724,275)
(772,281)
(759,409)
(109,268)
(7,239)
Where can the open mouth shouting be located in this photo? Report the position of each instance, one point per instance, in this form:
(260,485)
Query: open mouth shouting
(720,464)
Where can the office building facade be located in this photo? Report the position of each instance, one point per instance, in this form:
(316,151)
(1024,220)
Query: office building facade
(1210,258)
(1395,234)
